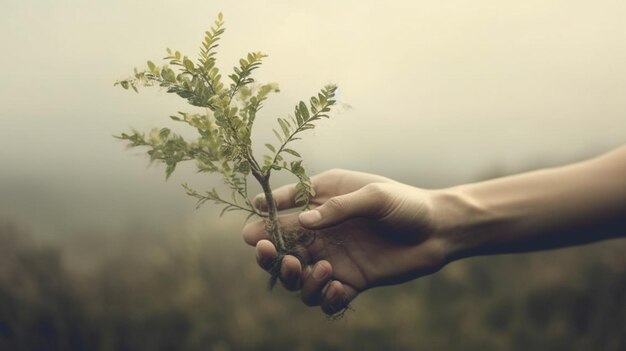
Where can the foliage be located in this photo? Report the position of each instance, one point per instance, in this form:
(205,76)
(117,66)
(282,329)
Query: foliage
(184,290)
(224,143)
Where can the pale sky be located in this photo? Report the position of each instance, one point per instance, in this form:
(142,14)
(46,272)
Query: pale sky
(441,91)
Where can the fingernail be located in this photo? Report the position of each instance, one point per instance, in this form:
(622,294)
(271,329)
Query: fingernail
(331,293)
(319,273)
(310,217)
(325,289)
(284,272)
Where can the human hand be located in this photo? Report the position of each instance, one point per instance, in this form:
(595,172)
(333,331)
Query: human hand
(369,231)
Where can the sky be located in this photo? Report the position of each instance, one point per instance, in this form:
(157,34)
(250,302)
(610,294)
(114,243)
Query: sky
(439,93)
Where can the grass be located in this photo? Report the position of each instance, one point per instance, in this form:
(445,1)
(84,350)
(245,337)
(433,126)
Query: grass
(195,291)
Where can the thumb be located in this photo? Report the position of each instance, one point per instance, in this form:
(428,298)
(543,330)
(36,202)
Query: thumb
(363,202)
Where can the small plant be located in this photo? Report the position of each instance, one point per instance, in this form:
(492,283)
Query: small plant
(224,144)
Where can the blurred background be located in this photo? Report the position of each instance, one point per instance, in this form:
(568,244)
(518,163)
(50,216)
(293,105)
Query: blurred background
(98,252)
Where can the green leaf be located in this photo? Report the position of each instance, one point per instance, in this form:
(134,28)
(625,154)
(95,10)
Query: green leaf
(188,64)
(225,209)
(164,133)
(169,170)
(296,168)
(224,144)
(284,127)
(277,135)
(303,110)
(243,167)
(290,151)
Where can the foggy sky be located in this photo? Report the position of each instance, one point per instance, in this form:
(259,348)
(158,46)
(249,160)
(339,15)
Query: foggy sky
(441,92)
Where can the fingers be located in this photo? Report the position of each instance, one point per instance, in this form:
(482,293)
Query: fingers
(314,281)
(367,201)
(290,270)
(316,284)
(265,254)
(335,298)
(255,231)
(290,273)
(283,196)
(318,288)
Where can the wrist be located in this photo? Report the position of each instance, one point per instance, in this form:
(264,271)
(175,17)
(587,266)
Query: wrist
(459,220)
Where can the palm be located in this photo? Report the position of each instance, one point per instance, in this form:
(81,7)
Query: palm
(362,262)
(388,243)
(364,252)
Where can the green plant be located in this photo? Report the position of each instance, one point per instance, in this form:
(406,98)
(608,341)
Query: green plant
(224,144)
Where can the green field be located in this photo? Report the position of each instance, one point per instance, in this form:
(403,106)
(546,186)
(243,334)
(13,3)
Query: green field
(193,291)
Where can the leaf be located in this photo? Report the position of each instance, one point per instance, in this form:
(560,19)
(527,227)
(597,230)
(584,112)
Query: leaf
(299,119)
(277,135)
(168,74)
(224,210)
(243,167)
(164,133)
(169,170)
(303,110)
(284,127)
(188,64)
(297,169)
(224,142)
(293,152)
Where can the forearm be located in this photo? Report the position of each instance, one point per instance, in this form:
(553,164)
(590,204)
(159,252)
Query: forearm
(556,207)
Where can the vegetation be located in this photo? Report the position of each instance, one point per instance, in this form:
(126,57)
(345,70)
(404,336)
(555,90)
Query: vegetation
(224,145)
(186,290)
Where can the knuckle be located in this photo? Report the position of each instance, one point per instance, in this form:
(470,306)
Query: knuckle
(333,173)
(336,204)
(381,198)
(376,189)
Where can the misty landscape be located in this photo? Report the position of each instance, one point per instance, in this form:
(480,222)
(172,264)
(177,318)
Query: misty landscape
(99,252)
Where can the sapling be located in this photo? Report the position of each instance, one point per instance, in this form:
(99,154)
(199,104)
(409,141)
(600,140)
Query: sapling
(228,109)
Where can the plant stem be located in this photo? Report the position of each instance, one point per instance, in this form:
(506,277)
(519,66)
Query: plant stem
(271,222)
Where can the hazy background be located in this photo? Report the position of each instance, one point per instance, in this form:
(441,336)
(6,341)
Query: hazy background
(441,92)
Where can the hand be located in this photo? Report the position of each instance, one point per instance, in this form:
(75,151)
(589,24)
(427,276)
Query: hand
(370,231)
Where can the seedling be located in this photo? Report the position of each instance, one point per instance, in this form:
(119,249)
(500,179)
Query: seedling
(224,126)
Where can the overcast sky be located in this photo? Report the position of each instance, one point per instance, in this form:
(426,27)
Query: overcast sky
(441,91)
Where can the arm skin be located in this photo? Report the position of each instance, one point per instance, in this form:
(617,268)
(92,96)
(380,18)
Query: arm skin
(569,205)
(374,231)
